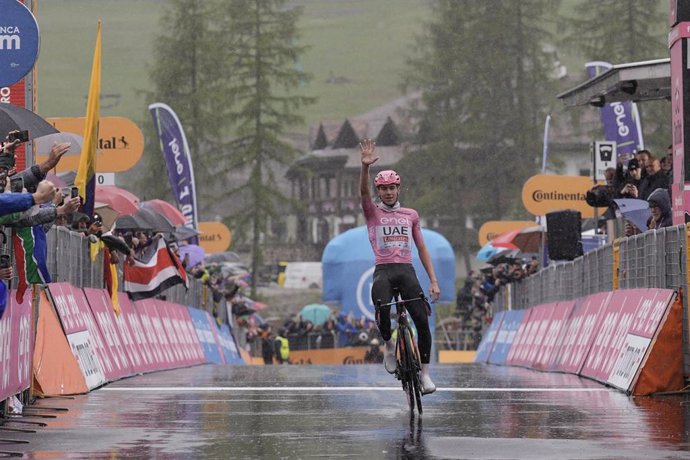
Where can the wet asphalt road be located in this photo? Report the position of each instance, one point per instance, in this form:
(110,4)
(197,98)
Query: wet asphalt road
(301,412)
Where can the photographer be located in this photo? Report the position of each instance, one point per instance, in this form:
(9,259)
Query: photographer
(631,180)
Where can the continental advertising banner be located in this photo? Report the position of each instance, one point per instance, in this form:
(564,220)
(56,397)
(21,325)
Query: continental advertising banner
(544,193)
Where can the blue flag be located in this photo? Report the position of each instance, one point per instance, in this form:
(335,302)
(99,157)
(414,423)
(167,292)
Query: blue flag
(178,160)
(620,120)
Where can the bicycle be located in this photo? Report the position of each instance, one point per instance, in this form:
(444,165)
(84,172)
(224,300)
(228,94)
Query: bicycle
(408,363)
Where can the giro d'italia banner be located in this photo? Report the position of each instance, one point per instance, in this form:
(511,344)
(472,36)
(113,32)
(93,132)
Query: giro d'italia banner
(178,160)
(19,41)
(620,120)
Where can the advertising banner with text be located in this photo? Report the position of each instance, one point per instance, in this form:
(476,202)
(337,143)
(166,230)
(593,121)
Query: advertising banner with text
(16,347)
(102,310)
(546,355)
(543,193)
(487,343)
(82,333)
(208,340)
(129,322)
(512,320)
(580,330)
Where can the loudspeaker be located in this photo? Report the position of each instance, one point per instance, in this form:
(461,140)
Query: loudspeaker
(563,233)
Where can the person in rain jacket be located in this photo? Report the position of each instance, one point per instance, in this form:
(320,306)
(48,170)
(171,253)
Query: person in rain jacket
(660,207)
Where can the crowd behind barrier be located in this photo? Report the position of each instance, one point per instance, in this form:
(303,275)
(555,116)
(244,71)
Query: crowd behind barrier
(72,269)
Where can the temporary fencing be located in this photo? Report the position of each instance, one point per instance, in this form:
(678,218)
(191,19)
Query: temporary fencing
(627,339)
(656,259)
(68,339)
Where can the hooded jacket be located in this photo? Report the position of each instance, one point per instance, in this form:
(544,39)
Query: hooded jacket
(661,197)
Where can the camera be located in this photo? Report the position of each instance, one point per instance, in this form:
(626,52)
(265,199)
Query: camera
(23,136)
(5,261)
(74,192)
(16,184)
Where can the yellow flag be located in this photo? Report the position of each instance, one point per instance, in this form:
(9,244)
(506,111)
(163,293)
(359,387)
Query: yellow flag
(113,297)
(86,174)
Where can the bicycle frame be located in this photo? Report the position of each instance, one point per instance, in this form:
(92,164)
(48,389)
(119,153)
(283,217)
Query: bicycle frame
(407,354)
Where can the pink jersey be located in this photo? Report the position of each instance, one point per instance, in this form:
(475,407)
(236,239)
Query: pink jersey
(391,232)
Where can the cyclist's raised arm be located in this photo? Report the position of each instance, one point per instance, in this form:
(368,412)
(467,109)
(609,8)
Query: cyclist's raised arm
(367,147)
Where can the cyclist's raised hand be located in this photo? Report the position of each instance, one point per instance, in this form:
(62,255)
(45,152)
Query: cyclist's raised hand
(367,147)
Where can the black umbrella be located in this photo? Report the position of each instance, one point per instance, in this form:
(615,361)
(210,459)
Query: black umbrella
(14,118)
(157,221)
(184,233)
(132,222)
(505,256)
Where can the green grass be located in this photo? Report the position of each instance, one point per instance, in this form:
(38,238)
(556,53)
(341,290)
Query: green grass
(365,41)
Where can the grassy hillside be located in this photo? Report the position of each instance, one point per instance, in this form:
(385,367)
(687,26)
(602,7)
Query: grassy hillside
(357,51)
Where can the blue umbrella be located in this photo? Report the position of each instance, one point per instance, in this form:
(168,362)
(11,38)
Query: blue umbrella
(636,211)
(488,251)
(317,313)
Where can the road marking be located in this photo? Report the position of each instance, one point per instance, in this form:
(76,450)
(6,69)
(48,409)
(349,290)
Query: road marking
(396,388)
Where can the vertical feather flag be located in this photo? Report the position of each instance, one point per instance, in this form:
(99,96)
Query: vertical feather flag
(31,255)
(86,174)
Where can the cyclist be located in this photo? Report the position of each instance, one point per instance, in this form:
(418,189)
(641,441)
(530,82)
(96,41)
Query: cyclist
(391,232)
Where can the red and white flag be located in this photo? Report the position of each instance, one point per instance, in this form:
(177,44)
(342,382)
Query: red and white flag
(144,280)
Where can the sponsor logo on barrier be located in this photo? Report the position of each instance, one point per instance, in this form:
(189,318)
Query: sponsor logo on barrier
(5,337)
(352,360)
(24,362)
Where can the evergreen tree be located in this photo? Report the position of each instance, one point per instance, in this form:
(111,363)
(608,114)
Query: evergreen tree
(484,77)
(185,76)
(620,31)
(260,52)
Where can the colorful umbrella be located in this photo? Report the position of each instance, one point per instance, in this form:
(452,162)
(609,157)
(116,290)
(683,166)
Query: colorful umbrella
(317,313)
(167,209)
(489,250)
(194,253)
(121,200)
(635,210)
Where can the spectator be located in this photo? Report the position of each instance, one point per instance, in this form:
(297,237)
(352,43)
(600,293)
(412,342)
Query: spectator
(631,180)
(654,179)
(266,343)
(281,347)
(643,157)
(374,355)
(660,207)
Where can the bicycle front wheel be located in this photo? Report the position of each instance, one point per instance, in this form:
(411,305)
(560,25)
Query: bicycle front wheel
(412,367)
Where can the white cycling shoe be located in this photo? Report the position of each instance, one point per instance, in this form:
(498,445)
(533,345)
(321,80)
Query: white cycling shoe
(428,386)
(389,361)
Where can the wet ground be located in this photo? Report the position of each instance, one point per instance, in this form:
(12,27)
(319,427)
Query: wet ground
(302,412)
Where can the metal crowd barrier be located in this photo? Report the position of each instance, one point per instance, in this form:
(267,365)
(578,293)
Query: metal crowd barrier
(69,261)
(654,259)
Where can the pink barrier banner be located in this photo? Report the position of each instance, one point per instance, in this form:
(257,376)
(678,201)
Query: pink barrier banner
(16,347)
(171,332)
(580,329)
(521,336)
(190,339)
(183,327)
(645,323)
(129,324)
(530,340)
(83,335)
(102,310)
(626,308)
(153,328)
(554,335)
